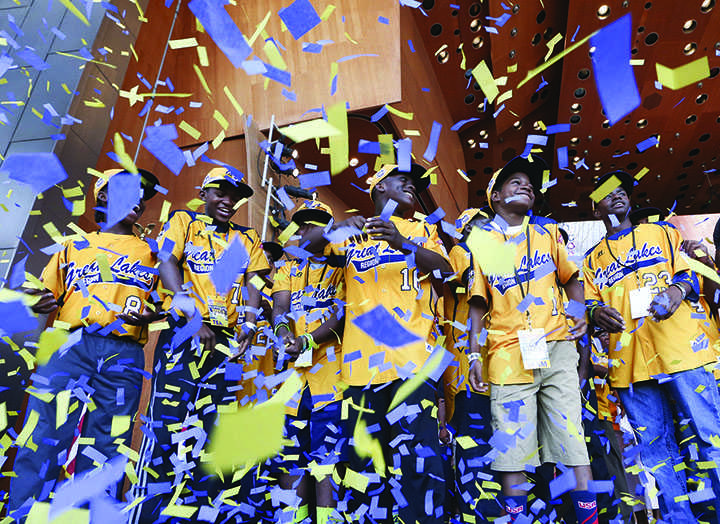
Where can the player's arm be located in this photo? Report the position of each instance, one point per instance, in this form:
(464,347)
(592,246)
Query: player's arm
(53,278)
(665,303)
(281,309)
(574,291)
(478,314)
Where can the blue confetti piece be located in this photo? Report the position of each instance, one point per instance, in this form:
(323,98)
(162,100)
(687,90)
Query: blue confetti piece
(411,46)
(310,180)
(124,193)
(379,114)
(40,171)
(312,47)
(431,150)
(562,154)
(366,146)
(557,128)
(647,144)
(383,20)
(361,171)
(435,216)
(300,18)
(457,125)
(562,484)
(159,142)
(290,95)
(32,59)
(382,327)
(388,210)
(222,29)
(404,153)
(15,317)
(232,263)
(614,76)
(17,276)
(278,75)
(233,371)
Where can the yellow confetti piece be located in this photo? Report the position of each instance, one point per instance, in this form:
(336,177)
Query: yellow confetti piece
(274,56)
(288,232)
(411,132)
(158,326)
(644,171)
(625,339)
(50,341)
(494,256)
(201,77)
(202,56)
(347,35)
(184,512)
(534,72)
(466,442)
(512,68)
(334,69)
(123,158)
(387,149)
(637,61)
(218,116)
(218,140)
(30,423)
(120,424)
(3,416)
(104,266)
(485,80)
(182,43)
(195,203)
(40,514)
(552,43)
(397,112)
(190,130)
(367,446)
(327,12)
(62,405)
(684,75)
(339,144)
(463,175)
(413,383)
(233,101)
(259,29)
(106,64)
(317,128)
(165,211)
(605,189)
(74,10)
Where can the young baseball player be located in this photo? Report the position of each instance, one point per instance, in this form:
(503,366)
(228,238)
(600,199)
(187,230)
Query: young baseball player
(467,410)
(638,288)
(308,308)
(532,359)
(394,265)
(100,286)
(190,384)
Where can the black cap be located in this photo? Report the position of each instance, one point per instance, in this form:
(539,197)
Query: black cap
(639,213)
(534,171)
(275,249)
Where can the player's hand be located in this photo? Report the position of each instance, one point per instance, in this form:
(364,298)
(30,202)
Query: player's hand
(292,348)
(285,340)
(579,328)
(140,319)
(185,304)
(696,250)
(379,229)
(356,222)
(444,435)
(609,319)
(475,377)
(47,303)
(664,304)
(206,337)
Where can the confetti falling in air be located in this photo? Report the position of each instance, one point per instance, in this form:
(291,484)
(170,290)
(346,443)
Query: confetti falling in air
(349,348)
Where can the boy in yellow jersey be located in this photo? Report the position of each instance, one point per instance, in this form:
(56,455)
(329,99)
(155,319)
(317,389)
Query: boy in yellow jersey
(467,410)
(532,360)
(638,288)
(390,269)
(207,266)
(101,287)
(308,308)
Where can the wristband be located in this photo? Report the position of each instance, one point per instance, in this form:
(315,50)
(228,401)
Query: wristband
(472,357)
(279,325)
(308,342)
(681,288)
(249,326)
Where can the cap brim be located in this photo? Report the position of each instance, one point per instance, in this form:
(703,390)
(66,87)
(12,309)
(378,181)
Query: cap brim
(275,249)
(245,190)
(534,171)
(149,182)
(416,173)
(311,215)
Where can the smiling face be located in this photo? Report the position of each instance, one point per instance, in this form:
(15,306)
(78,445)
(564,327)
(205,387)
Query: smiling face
(311,237)
(220,201)
(516,194)
(615,203)
(399,188)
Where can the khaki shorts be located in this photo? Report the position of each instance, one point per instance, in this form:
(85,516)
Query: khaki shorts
(543,422)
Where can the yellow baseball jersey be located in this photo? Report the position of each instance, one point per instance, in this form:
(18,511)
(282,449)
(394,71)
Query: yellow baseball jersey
(456,311)
(648,255)
(378,275)
(258,365)
(100,276)
(710,326)
(314,289)
(193,240)
(541,267)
